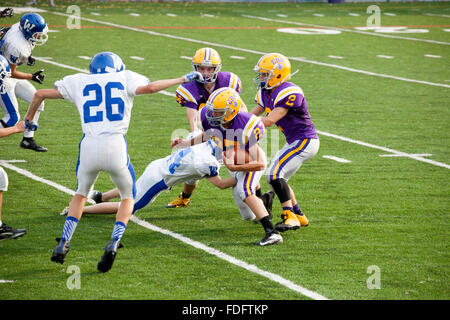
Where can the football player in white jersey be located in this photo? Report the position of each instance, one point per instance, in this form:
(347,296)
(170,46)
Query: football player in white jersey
(104,99)
(16,46)
(7,232)
(192,163)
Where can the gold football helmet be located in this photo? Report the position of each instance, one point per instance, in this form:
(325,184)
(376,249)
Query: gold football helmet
(273,69)
(207,57)
(222,106)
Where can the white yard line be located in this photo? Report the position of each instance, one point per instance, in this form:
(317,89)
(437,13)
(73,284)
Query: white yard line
(6,281)
(404,154)
(342,160)
(346,30)
(137,58)
(260,53)
(219,254)
(396,152)
(252,268)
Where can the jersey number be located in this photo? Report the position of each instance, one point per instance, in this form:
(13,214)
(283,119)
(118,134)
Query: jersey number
(98,99)
(176,159)
(291,100)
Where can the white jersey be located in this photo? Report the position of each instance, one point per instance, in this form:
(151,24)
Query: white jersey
(104,100)
(14,47)
(189,164)
(192,163)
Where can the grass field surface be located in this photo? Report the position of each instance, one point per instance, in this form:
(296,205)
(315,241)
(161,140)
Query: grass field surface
(379,100)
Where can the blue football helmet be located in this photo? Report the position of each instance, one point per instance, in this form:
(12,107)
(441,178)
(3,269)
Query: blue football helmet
(34,28)
(106,62)
(5,71)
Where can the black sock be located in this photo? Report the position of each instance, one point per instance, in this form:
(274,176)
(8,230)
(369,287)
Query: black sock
(258,193)
(185,195)
(267,224)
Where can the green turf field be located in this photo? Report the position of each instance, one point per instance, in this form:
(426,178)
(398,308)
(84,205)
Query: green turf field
(369,96)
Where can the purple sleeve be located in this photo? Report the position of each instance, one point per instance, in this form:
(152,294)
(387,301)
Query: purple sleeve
(255,135)
(294,100)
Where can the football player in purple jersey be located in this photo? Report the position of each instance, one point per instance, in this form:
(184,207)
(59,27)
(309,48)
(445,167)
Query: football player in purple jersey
(285,106)
(237,131)
(193,97)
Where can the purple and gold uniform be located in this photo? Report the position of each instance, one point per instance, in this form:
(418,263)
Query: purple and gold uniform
(194,95)
(245,131)
(302,142)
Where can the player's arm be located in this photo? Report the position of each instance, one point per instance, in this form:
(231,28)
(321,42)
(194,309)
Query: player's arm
(18,127)
(191,114)
(256,162)
(19,74)
(275,115)
(257,110)
(159,85)
(181,143)
(38,97)
(38,76)
(222,183)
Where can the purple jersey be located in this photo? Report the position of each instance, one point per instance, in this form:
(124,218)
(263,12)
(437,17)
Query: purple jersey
(297,123)
(194,95)
(246,130)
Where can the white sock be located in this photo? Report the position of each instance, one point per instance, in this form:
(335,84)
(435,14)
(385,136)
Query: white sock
(29,133)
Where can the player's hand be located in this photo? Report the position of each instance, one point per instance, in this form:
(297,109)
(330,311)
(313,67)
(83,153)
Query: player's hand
(31,61)
(31,125)
(177,142)
(38,76)
(8,12)
(228,159)
(20,126)
(193,75)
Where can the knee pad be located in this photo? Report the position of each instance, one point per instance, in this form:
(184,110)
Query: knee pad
(281,188)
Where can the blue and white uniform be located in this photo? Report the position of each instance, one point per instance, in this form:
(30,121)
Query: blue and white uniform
(104,102)
(16,49)
(192,163)
(3,180)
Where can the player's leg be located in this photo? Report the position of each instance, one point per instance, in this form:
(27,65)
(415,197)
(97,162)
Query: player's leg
(304,222)
(183,199)
(7,232)
(123,176)
(100,197)
(267,198)
(275,177)
(286,163)
(9,105)
(245,187)
(87,172)
(25,90)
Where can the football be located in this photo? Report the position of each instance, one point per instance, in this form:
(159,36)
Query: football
(241,156)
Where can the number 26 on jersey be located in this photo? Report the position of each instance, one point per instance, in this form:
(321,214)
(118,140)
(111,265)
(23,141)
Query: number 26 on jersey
(103,95)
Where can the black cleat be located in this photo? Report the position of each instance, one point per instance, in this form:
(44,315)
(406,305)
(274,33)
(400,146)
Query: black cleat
(97,196)
(107,260)
(267,199)
(60,251)
(7,232)
(30,143)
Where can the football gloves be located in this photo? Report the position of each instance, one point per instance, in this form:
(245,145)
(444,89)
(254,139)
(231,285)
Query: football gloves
(193,75)
(8,12)
(38,76)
